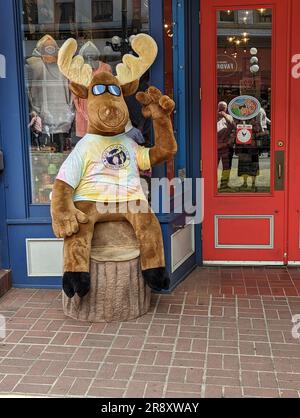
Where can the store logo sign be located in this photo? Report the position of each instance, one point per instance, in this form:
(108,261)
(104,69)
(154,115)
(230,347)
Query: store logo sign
(296,67)
(2,66)
(184,200)
(226,65)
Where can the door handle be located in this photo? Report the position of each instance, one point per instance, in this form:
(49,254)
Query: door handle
(279,171)
(1,162)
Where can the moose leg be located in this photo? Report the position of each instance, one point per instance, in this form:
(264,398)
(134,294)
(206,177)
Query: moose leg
(149,235)
(77,249)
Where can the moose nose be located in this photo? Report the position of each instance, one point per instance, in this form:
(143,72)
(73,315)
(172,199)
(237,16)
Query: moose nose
(111,112)
(111,115)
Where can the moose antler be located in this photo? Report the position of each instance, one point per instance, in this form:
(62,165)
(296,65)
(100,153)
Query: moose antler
(132,68)
(74,69)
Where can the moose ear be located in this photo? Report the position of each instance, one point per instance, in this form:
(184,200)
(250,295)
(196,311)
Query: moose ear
(131,88)
(79,91)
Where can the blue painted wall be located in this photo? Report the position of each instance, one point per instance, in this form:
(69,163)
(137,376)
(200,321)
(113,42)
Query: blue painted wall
(4,250)
(13,146)
(186,88)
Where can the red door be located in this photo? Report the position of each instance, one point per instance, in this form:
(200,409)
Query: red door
(294,148)
(245,131)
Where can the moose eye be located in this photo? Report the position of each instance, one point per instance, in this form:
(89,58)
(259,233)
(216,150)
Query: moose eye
(114,90)
(99,89)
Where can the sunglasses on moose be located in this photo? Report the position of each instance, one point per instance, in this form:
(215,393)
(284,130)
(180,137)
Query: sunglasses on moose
(102,88)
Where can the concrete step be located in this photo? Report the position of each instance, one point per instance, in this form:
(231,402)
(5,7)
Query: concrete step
(5,281)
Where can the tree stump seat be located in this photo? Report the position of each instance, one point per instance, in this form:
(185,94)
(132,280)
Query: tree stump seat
(118,291)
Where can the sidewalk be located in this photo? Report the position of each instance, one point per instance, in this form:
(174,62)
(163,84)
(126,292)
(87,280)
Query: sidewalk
(225,332)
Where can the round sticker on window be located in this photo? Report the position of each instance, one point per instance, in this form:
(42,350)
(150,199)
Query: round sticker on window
(244,107)
(244,134)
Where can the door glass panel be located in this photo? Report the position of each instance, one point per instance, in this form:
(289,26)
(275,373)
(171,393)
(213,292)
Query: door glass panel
(244,58)
(57,120)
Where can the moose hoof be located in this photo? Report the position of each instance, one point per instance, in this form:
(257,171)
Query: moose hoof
(76,283)
(157,279)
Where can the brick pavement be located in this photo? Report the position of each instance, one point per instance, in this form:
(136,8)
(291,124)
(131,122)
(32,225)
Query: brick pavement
(224,332)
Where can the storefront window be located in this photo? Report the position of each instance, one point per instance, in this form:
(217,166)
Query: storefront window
(57,120)
(244,57)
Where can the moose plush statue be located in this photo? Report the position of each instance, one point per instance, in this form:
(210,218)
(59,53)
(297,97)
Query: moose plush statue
(104,166)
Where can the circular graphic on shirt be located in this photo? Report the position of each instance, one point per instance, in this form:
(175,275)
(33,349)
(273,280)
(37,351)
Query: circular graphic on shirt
(116,157)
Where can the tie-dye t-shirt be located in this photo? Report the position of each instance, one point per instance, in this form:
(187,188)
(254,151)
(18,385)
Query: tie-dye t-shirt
(106,169)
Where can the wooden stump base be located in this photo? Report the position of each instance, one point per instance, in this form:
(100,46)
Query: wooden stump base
(118,291)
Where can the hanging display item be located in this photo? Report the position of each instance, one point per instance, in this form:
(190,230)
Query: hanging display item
(48,91)
(244,134)
(244,108)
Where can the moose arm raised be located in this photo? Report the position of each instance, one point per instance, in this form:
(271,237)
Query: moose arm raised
(159,108)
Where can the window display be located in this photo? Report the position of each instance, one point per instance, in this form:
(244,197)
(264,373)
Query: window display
(243,103)
(56,119)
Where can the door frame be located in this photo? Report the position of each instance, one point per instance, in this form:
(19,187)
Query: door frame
(4,250)
(294,128)
(209,97)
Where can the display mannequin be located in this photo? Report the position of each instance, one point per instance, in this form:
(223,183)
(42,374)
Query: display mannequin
(48,91)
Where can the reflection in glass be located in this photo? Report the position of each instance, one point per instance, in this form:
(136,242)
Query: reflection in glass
(244,123)
(56,119)
(226,16)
